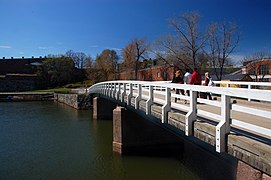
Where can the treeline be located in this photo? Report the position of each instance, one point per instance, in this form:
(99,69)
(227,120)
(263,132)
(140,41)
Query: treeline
(57,71)
(188,46)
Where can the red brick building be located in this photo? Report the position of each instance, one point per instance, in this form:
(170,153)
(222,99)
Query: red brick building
(155,73)
(259,70)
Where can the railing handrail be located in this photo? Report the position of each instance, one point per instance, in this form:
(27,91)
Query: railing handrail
(263,95)
(244,83)
(147,90)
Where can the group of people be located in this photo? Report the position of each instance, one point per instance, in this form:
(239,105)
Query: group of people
(193,79)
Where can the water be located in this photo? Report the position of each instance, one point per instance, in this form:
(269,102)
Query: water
(46,140)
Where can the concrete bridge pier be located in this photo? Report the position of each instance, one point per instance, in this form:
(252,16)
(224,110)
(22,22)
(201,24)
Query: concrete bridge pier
(132,134)
(102,108)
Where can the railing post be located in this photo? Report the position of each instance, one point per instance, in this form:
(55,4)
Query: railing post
(149,101)
(138,97)
(167,106)
(118,92)
(123,92)
(223,127)
(249,87)
(109,90)
(130,95)
(106,89)
(102,88)
(114,91)
(191,116)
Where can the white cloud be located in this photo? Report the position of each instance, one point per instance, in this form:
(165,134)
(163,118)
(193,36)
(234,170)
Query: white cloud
(113,48)
(6,47)
(116,49)
(59,43)
(44,47)
(21,52)
(94,46)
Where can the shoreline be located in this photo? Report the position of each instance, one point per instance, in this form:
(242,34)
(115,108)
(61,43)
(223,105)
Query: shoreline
(26,96)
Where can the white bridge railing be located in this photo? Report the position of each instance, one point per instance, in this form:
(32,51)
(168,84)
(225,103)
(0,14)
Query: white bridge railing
(162,93)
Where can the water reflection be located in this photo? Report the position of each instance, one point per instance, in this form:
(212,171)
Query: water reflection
(46,140)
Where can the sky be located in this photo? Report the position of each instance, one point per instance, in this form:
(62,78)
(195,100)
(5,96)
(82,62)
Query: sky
(42,27)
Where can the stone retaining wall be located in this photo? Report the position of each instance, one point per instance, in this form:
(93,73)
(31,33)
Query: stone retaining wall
(74,100)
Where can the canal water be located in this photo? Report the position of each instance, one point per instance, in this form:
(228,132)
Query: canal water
(47,140)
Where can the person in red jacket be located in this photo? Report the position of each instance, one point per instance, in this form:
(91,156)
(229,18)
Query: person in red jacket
(195,77)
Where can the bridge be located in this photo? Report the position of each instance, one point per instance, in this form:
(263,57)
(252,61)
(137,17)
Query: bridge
(236,123)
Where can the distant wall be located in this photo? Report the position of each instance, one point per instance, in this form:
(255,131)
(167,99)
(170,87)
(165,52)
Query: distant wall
(15,83)
(19,66)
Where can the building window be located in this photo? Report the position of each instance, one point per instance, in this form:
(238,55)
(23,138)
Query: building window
(158,74)
(251,71)
(263,69)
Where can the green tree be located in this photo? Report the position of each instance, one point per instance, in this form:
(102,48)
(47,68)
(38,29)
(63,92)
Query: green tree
(57,71)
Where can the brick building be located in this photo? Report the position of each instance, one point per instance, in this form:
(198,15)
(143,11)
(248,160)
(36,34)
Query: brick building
(259,70)
(155,73)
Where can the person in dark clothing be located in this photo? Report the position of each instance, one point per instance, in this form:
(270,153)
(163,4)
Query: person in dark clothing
(178,79)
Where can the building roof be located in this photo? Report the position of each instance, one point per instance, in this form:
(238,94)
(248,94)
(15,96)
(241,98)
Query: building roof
(232,77)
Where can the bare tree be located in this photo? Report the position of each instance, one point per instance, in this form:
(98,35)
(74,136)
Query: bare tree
(133,53)
(188,39)
(79,58)
(166,49)
(222,39)
(257,55)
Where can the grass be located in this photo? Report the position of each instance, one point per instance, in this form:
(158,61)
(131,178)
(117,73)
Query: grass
(56,90)
(64,89)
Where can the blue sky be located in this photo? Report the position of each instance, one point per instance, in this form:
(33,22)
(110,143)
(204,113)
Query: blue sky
(41,27)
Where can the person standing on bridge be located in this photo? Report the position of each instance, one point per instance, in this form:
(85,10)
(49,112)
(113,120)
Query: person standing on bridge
(195,78)
(186,80)
(208,82)
(178,79)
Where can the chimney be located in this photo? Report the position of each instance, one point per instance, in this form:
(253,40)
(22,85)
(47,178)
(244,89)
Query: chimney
(3,57)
